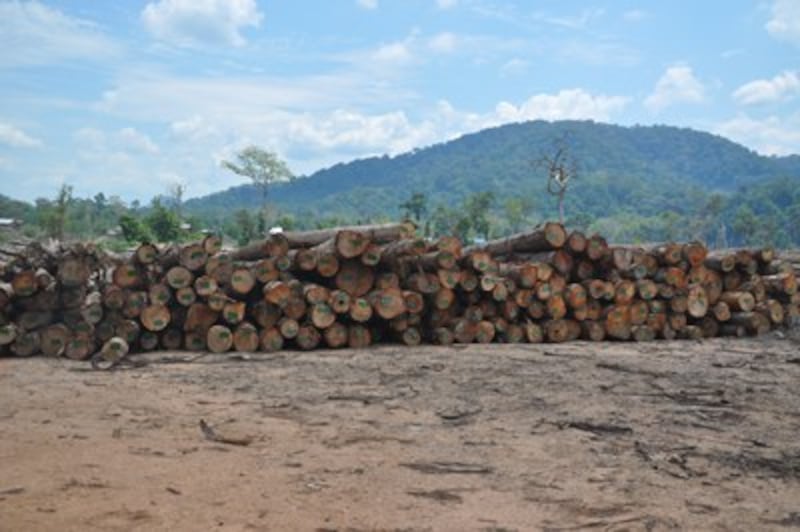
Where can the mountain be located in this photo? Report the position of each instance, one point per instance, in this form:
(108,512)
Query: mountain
(637,168)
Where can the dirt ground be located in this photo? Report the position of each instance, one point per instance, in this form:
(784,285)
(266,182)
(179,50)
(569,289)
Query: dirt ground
(661,436)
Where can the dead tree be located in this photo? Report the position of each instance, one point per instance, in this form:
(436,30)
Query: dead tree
(561,169)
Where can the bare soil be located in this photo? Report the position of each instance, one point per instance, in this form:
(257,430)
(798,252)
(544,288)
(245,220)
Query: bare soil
(661,436)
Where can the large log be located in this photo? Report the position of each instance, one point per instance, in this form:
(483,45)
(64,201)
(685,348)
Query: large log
(550,236)
(378,233)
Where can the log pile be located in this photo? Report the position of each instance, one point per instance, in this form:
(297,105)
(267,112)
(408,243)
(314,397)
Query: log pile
(356,286)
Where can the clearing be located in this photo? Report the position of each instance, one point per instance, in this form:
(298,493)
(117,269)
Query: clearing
(605,436)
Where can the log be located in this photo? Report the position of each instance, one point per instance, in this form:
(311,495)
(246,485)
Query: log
(114,350)
(148,341)
(557,331)
(219,339)
(327,264)
(360,310)
(358,336)
(355,278)
(155,317)
(339,301)
(442,336)
(246,338)
(271,340)
(336,335)
(234,312)
(322,316)
(54,339)
(178,277)
(199,318)
(576,243)
(308,337)
(288,328)
(195,341)
(592,331)
(550,236)
(596,248)
(171,340)
(193,257)
(212,244)
(372,255)
(217,301)
(378,233)
(618,322)
(738,301)
(275,246)
(266,315)
(295,308)
(753,322)
(697,301)
(277,293)
(186,296)
(387,303)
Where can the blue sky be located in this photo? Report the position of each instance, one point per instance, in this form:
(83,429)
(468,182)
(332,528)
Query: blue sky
(130,97)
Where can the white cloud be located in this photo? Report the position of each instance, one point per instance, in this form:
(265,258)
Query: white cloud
(394,53)
(785,21)
(514,67)
(309,127)
(34,34)
(193,128)
(572,22)
(126,141)
(597,53)
(89,137)
(567,104)
(769,136)
(137,141)
(635,15)
(677,85)
(16,138)
(781,87)
(368,4)
(446,4)
(443,43)
(201,22)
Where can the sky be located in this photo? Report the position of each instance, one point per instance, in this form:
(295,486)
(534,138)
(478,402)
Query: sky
(132,97)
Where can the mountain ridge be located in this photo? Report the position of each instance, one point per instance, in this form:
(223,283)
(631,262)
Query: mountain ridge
(499,159)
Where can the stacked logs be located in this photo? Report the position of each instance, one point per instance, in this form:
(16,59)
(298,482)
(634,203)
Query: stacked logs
(355,286)
(49,299)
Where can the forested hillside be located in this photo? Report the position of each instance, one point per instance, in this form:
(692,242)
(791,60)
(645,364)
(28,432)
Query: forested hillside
(641,182)
(632,183)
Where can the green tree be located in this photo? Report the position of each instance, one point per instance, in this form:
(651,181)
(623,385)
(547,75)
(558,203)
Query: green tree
(476,208)
(163,223)
(517,210)
(745,224)
(133,230)
(245,227)
(53,214)
(416,207)
(175,192)
(443,221)
(263,168)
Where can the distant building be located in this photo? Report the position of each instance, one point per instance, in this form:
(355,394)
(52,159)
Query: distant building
(10,223)
(186,226)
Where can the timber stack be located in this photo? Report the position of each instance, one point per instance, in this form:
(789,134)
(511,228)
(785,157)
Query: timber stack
(357,286)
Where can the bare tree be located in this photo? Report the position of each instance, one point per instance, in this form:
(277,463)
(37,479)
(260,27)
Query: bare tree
(561,168)
(175,191)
